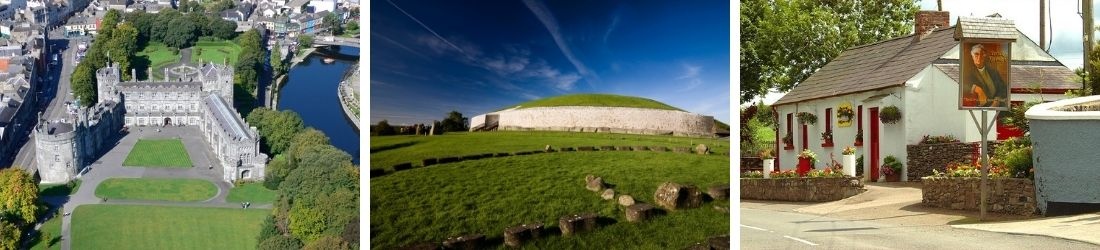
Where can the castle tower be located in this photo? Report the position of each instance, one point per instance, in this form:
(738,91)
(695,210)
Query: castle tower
(57,151)
(218,79)
(107,82)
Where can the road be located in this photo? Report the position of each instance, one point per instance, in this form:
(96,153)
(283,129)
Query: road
(767,229)
(56,92)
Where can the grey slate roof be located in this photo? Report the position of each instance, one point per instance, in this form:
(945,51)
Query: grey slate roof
(227,118)
(159,85)
(875,66)
(985,28)
(1024,76)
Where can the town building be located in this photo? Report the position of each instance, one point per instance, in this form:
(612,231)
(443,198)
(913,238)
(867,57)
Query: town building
(18,100)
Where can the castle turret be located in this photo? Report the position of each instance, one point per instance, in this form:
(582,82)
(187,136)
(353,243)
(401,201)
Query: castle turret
(107,82)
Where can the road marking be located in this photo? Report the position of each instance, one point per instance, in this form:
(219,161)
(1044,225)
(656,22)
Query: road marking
(800,240)
(757,228)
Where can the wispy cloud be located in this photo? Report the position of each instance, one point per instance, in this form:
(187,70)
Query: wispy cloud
(610,28)
(547,19)
(398,44)
(426,27)
(691,74)
(530,96)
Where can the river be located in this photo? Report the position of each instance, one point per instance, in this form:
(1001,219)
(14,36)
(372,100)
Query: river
(311,92)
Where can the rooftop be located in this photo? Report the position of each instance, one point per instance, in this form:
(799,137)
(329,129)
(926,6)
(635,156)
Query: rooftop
(227,118)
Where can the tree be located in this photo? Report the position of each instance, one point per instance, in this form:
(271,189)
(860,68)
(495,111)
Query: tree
(250,61)
(303,140)
(123,43)
(775,35)
(277,128)
(110,20)
(280,243)
(180,33)
(18,194)
(9,235)
(353,26)
(333,23)
(83,84)
(277,170)
(328,242)
(454,122)
(383,128)
(222,29)
(267,230)
(319,171)
(306,222)
(305,41)
(276,58)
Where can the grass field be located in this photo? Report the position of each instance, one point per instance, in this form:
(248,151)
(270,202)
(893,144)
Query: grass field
(252,192)
(160,227)
(53,225)
(58,189)
(156,189)
(596,100)
(158,153)
(155,55)
(217,52)
(485,196)
(387,151)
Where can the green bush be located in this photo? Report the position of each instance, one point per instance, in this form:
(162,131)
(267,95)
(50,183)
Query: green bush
(1015,155)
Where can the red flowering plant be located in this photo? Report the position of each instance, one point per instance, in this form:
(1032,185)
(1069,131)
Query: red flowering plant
(826,173)
(971,170)
(784,174)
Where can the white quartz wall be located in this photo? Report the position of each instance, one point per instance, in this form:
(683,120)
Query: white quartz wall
(609,119)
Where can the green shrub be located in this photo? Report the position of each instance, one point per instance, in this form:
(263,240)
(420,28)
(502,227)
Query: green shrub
(1015,155)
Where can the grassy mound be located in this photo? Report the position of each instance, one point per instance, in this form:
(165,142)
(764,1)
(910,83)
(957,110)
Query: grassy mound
(158,153)
(596,100)
(156,189)
(160,227)
(387,151)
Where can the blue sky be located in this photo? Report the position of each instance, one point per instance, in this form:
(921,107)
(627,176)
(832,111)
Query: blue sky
(430,57)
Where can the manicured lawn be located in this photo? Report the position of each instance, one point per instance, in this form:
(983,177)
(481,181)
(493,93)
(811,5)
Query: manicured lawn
(485,196)
(387,151)
(156,189)
(155,55)
(58,189)
(217,52)
(252,192)
(53,225)
(596,100)
(158,153)
(161,227)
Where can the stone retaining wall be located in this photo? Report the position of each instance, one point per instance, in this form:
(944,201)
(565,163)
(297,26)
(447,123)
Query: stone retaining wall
(923,158)
(608,119)
(800,189)
(1007,195)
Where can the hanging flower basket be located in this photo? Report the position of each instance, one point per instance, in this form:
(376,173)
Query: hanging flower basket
(807,118)
(890,115)
(845,113)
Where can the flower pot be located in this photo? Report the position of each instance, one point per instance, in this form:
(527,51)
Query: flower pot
(803,166)
(893,178)
(769,166)
(849,162)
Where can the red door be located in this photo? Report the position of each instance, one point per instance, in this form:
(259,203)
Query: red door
(874,144)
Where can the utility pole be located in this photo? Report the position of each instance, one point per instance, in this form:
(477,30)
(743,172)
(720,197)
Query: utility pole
(1043,25)
(1087,29)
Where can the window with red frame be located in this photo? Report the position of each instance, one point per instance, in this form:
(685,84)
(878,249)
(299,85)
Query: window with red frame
(827,136)
(859,126)
(788,139)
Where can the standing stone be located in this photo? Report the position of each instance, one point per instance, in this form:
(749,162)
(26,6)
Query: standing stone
(432,130)
(418,129)
(719,192)
(607,148)
(673,196)
(377,172)
(515,236)
(626,200)
(470,241)
(586,148)
(658,148)
(639,212)
(608,194)
(595,185)
(572,224)
(402,166)
(428,162)
(640,148)
(549,148)
(702,149)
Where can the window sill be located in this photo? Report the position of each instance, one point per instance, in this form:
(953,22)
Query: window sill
(827,144)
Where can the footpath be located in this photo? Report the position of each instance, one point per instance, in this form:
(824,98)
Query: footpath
(900,204)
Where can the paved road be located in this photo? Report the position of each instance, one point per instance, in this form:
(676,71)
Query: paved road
(56,91)
(767,229)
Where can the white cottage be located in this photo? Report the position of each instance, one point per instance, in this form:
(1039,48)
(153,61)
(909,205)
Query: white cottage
(918,74)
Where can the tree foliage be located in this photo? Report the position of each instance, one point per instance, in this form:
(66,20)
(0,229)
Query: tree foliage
(250,62)
(328,242)
(303,140)
(306,222)
(305,41)
(382,128)
(454,122)
(9,235)
(18,194)
(267,230)
(319,171)
(280,243)
(181,33)
(333,23)
(83,84)
(784,42)
(277,128)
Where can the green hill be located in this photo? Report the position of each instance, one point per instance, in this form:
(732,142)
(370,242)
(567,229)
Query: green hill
(597,100)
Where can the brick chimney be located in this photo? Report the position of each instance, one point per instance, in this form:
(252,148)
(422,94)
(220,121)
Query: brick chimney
(930,20)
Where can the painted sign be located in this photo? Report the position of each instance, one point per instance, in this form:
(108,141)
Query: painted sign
(984,76)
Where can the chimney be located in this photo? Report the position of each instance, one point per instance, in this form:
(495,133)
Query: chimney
(928,20)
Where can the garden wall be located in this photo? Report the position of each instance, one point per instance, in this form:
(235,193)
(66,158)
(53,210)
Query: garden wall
(1007,195)
(923,158)
(800,189)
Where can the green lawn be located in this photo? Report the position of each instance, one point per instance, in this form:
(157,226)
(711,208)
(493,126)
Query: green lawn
(387,151)
(485,196)
(217,52)
(156,189)
(53,226)
(251,192)
(158,153)
(155,55)
(161,227)
(58,189)
(597,100)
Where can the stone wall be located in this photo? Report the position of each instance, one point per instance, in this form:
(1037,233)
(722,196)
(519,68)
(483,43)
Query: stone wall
(607,119)
(800,189)
(923,158)
(1007,195)
(751,164)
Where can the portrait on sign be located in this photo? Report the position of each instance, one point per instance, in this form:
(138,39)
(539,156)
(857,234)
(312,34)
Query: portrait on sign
(984,82)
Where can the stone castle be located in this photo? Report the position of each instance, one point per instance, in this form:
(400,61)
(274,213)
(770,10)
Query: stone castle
(190,95)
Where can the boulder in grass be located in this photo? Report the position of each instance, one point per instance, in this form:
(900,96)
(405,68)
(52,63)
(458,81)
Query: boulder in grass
(566,149)
(607,148)
(517,235)
(575,223)
(719,242)
(639,212)
(640,148)
(402,166)
(658,148)
(623,148)
(719,192)
(702,149)
(469,241)
(608,194)
(626,200)
(376,172)
(586,148)
(503,154)
(548,148)
(674,196)
(428,162)
(595,185)
(442,160)
(589,178)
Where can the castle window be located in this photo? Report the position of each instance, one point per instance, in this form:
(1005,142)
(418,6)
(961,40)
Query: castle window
(56,158)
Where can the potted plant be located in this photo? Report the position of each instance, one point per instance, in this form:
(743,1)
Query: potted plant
(827,138)
(891,169)
(806,161)
(788,141)
(807,118)
(859,138)
(849,160)
(890,114)
(769,162)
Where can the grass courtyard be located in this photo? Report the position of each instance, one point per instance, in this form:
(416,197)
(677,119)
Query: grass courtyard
(255,193)
(156,189)
(158,153)
(217,52)
(155,55)
(161,227)
(487,195)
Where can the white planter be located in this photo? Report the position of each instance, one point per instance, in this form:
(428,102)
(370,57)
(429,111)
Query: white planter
(849,162)
(769,165)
